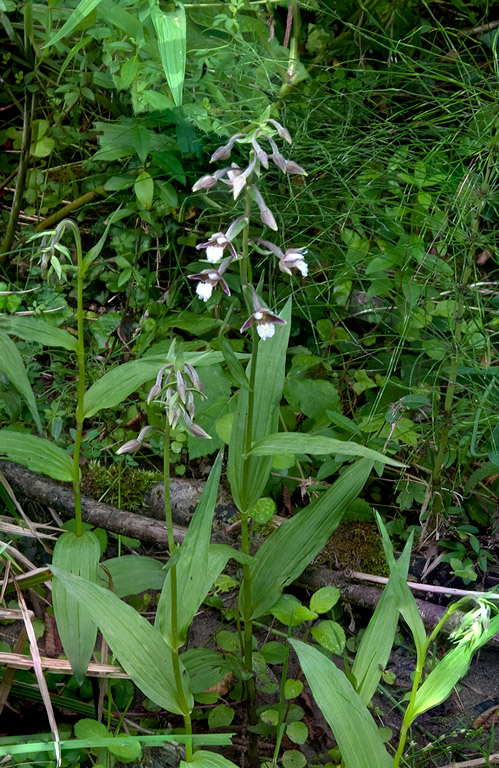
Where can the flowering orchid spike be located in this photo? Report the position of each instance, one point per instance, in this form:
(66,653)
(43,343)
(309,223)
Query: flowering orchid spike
(281,130)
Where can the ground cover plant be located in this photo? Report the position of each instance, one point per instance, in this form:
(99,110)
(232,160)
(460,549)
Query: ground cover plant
(259,238)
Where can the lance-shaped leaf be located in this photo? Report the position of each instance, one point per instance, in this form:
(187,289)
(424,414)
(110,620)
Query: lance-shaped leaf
(131,574)
(12,366)
(296,442)
(204,759)
(36,329)
(195,571)
(405,599)
(37,454)
(377,641)
(354,729)
(137,645)
(290,548)
(171,32)
(78,631)
(269,383)
(80,12)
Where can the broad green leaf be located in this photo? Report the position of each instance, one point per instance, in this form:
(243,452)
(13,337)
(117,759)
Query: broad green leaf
(170,29)
(296,442)
(269,382)
(454,665)
(12,366)
(324,599)
(405,599)
(131,574)
(205,667)
(330,635)
(377,641)
(36,329)
(354,729)
(76,17)
(118,383)
(195,569)
(36,454)
(204,759)
(285,554)
(144,190)
(77,555)
(138,646)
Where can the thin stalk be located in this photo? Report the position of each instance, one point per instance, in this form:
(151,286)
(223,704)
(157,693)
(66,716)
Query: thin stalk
(28,117)
(294,57)
(80,355)
(244,265)
(245,547)
(173,595)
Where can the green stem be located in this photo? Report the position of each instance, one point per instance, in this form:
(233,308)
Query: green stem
(244,265)
(294,57)
(245,547)
(174,595)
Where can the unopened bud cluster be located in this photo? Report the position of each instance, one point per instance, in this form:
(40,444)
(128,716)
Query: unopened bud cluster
(175,389)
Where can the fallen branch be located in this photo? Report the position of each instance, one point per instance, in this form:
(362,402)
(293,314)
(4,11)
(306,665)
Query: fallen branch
(60,498)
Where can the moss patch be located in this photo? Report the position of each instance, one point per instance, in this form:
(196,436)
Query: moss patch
(355,545)
(124,488)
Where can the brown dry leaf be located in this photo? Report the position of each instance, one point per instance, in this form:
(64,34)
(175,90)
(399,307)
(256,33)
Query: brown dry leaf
(223,685)
(488,718)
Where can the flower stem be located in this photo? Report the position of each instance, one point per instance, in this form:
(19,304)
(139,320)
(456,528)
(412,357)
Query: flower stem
(245,547)
(173,594)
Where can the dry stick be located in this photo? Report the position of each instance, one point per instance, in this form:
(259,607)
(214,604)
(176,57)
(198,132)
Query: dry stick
(492,759)
(56,217)
(21,179)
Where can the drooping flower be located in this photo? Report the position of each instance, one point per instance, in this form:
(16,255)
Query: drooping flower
(266,214)
(218,242)
(131,446)
(265,319)
(290,259)
(209,279)
(223,153)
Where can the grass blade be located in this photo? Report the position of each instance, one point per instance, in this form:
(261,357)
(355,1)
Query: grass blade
(296,442)
(80,12)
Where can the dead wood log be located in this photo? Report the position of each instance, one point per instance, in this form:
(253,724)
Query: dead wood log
(60,498)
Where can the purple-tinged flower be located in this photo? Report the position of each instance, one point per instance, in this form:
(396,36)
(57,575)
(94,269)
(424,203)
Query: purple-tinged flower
(265,319)
(210,179)
(223,153)
(210,279)
(262,156)
(266,214)
(218,242)
(294,168)
(195,429)
(281,130)
(290,259)
(133,445)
